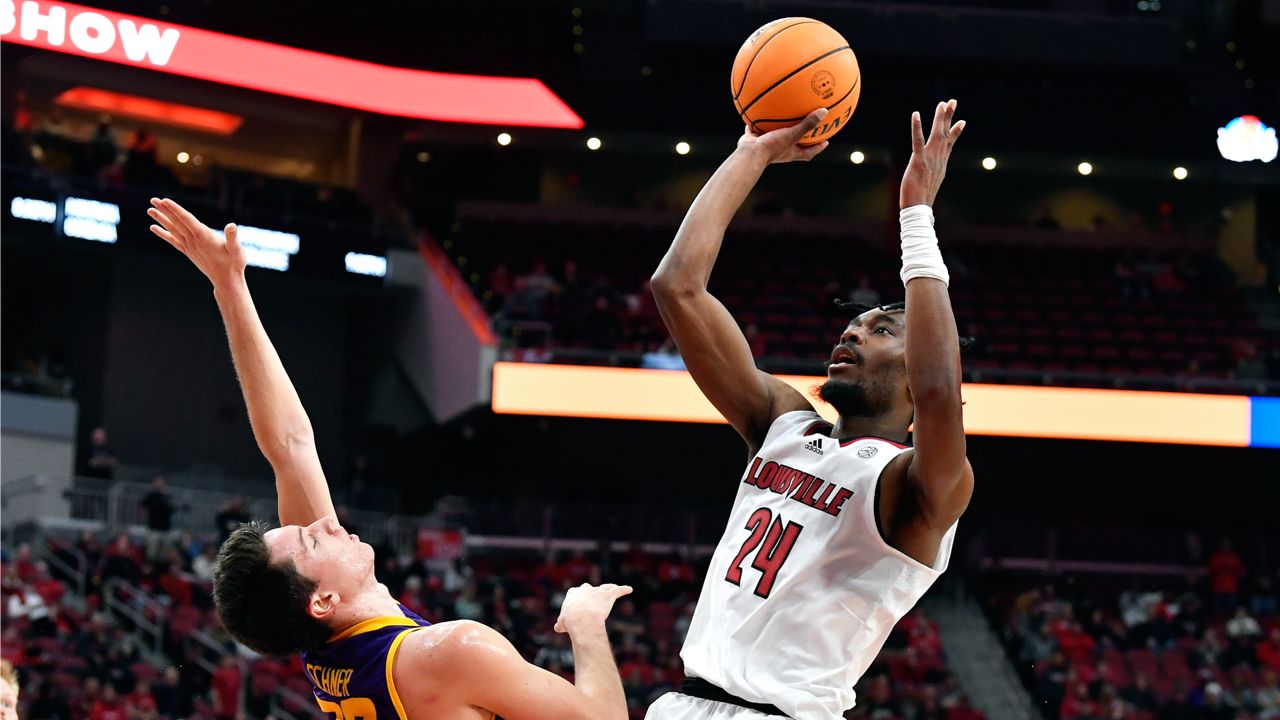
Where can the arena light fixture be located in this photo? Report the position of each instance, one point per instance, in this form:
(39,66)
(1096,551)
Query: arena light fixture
(504,139)
(216,57)
(1085,168)
(1005,410)
(362,264)
(1180,173)
(593,143)
(1247,138)
(90,219)
(988,163)
(267,249)
(857,157)
(23,208)
(683,148)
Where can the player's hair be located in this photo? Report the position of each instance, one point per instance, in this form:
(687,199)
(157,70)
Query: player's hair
(10,675)
(857,308)
(261,603)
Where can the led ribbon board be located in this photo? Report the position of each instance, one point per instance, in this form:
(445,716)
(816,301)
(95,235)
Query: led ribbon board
(1008,410)
(205,55)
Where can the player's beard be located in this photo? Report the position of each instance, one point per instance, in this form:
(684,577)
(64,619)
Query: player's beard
(851,399)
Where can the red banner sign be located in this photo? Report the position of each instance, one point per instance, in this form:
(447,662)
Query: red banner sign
(180,50)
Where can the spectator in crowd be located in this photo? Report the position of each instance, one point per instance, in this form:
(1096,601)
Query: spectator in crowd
(141,704)
(109,706)
(141,166)
(1268,651)
(102,150)
(26,604)
(232,515)
(1243,627)
(1225,571)
(8,691)
(626,623)
(101,462)
(24,563)
(1262,601)
(466,607)
(159,508)
(202,566)
(225,688)
(172,700)
(1268,696)
(120,561)
(48,703)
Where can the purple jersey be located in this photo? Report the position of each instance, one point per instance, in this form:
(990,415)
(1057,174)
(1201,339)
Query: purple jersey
(351,675)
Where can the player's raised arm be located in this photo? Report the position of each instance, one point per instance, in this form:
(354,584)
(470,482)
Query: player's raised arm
(469,664)
(939,472)
(710,342)
(280,424)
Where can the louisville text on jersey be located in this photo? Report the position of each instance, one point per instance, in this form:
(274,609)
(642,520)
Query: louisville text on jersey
(797,485)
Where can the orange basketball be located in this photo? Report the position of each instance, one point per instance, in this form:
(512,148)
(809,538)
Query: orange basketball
(791,67)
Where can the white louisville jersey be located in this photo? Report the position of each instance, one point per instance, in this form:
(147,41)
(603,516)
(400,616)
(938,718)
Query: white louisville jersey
(802,590)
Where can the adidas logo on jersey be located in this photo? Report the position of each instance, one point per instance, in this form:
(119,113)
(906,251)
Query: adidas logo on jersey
(814,445)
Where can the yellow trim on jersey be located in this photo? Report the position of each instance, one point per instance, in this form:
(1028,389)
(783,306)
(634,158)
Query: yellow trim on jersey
(371,624)
(391,664)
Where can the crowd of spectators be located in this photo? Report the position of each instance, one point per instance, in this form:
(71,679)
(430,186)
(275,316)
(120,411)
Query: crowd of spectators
(538,308)
(1057,314)
(110,676)
(1205,649)
(58,147)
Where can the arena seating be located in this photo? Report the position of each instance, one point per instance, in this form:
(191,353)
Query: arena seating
(1154,650)
(1048,308)
(517,593)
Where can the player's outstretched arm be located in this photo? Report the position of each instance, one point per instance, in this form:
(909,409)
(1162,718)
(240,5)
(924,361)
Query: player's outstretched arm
(466,664)
(280,424)
(710,342)
(939,471)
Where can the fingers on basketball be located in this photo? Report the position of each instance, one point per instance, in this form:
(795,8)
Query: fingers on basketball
(809,152)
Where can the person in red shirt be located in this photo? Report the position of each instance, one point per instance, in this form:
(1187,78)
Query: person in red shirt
(1078,705)
(109,706)
(25,565)
(141,704)
(1225,571)
(1268,651)
(46,587)
(962,710)
(176,585)
(225,687)
(577,568)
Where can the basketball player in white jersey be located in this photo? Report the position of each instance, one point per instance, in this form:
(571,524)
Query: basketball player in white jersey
(836,530)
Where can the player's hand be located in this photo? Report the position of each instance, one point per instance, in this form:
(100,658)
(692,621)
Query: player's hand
(585,607)
(928,163)
(221,260)
(782,145)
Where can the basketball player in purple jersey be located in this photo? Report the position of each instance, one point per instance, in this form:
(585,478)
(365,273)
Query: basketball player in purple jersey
(836,530)
(308,586)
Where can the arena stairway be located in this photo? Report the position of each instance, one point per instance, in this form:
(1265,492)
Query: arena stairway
(975,655)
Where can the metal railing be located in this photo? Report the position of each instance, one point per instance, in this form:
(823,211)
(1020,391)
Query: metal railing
(308,705)
(136,609)
(77,574)
(115,506)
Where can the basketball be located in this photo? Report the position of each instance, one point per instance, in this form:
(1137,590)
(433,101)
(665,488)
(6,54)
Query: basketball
(791,67)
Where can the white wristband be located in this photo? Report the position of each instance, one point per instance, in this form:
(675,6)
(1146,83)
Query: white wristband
(920,254)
